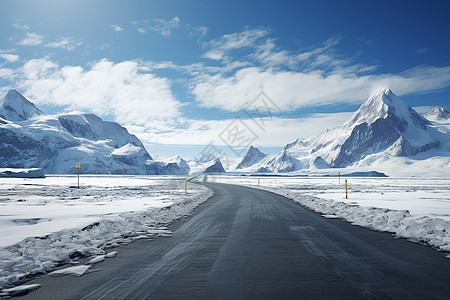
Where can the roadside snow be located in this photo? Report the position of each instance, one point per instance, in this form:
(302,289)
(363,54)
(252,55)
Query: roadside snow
(20,290)
(414,208)
(74,271)
(46,222)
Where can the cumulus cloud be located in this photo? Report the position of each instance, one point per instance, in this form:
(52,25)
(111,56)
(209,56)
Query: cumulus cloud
(116,27)
(64,43)
(124,90)
(32,39)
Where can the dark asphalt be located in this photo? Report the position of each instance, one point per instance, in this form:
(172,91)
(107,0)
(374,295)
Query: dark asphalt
(251,244)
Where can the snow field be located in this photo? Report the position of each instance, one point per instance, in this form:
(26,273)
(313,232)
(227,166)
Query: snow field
(417,209)
(48,222)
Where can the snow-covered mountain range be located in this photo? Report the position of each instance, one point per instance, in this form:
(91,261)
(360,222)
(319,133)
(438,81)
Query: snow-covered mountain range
(56,143)
(384,130)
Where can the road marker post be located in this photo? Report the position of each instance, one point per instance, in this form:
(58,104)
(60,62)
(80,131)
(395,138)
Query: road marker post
(78,168)
(339,177)
(185,187)
(123,171)
(346,194)
(258,181)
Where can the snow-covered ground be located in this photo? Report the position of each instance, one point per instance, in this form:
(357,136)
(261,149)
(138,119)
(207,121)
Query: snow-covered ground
(413,208)
(44,222)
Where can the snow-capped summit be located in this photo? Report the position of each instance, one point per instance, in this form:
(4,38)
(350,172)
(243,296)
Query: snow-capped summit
(383,124)
(215,167)
(382,105)
(437,113)
(15,107)
(253,156)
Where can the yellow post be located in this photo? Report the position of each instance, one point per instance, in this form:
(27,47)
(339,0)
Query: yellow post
(339,177)
(258,181)
(346,195)
(123,171)
(185,187)
(78,168)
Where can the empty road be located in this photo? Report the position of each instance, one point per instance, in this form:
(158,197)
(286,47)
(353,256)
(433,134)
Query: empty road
(245,243)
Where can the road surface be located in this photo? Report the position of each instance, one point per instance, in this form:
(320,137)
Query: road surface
(245,243)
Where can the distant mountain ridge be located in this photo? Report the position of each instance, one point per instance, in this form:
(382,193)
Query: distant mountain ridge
(438,113)
(384,124)
(55,143)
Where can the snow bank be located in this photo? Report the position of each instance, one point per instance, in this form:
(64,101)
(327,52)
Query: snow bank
(433,231)
(41,254)
(425,220)
(22,173)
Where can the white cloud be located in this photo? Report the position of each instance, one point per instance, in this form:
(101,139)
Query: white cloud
(124,90)
(198,31)
(6,73)
(292,90)
(65,43)
(116,27)
(32,39)
(219,48)
(277,131)
(22,27)
(164,27)
(9,57)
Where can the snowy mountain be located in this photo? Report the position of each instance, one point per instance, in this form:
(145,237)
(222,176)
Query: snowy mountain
(437,113)
(253,156)
(383,128)
(215,167)
(15,107)
(55,143)
(282,162)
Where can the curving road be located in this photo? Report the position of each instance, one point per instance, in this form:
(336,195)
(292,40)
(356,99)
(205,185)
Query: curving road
(251,244)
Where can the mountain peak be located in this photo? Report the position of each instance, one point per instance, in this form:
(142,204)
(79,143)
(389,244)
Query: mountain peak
(253,156)
(215,167)
(15,107)
(438,113)
(383,104)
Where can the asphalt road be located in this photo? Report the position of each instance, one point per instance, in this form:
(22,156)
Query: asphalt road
(251,244)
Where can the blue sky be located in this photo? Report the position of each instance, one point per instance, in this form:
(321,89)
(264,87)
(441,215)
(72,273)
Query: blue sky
(178,73)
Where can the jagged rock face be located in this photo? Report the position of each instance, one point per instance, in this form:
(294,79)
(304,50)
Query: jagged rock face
(31,139)
(368,138)
(216,167)
(320,163)
(15,107)
(253,156)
